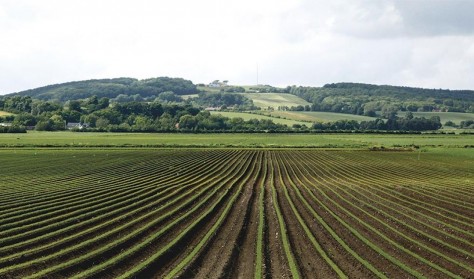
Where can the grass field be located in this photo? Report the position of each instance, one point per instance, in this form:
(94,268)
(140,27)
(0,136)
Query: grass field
(4,113)
(265,100)
(248,116)
(71,139)
(206,213)
(317,116)
(455,117)
(185,97)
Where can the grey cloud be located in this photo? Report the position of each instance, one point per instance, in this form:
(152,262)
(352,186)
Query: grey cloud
(436,17)
(380,19)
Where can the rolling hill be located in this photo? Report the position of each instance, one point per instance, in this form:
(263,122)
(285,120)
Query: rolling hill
(110,88)
(357,98)
(353,101)
(275,100)
(247,116)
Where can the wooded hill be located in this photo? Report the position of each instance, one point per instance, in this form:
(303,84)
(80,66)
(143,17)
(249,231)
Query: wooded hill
(352,98)
(156,105)
(111,88)
(366,99)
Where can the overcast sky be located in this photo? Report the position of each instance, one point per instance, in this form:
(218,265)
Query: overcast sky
(421,43)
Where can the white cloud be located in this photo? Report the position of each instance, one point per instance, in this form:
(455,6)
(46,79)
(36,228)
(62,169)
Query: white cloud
(294,41)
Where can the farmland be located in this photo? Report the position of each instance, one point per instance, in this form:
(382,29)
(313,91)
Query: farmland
(36,139)
(4,113)
(274,100)
(248,116)
(241,213)
(455,117)
(318,116)
(295,117)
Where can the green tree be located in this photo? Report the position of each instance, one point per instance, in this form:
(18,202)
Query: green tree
(169,96)
(389,111)
(187,122)
(58,123)
(142,123)
(166,122)
(103,103)
(102,123)
(450,124)
(44,125)
(24,119)
(74,105)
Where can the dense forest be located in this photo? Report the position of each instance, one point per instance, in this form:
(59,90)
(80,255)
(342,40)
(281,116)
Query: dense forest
(111,88)
(367,99)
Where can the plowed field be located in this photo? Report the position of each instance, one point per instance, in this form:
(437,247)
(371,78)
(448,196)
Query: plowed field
(150,213)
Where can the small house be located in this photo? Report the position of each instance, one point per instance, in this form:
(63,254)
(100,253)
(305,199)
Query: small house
(76,125)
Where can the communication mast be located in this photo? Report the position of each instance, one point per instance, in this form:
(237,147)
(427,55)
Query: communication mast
(257,73)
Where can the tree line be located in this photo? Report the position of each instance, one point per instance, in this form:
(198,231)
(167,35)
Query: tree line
(408,123)
(366,99)
(99,114)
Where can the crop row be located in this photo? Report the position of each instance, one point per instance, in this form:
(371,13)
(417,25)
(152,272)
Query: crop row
(392,242)
(234,213)
(146,207)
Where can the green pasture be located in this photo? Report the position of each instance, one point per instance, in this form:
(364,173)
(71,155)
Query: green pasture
(248,116)
(455,117)
(265,100)
(185,97)
(4,113)
(318,116)
(265,140)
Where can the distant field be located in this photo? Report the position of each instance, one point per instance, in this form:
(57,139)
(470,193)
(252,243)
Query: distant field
(265,100)
(185,97)
(4,113)
(455,117)
(263,140)
(248,116)
(317,116)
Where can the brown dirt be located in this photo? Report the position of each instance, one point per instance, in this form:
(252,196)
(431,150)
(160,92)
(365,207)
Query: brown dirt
(244,264)
(309,261)
(340,182)
(346,262)
(218,259)
(277,264)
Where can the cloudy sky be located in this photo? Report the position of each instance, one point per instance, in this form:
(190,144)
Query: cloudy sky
(422,43)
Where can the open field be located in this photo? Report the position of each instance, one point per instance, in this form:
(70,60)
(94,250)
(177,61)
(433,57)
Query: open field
(71,139)
(318,116)
(185,97)
(455,117)
(265,100)
(202,213)
(4,113)
(248,116)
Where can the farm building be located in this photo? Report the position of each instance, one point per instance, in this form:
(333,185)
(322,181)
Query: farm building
(76,125)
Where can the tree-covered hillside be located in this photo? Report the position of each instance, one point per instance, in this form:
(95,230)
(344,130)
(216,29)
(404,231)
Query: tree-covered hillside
(366,99)
(157,105)
(111,88)
(352,98)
